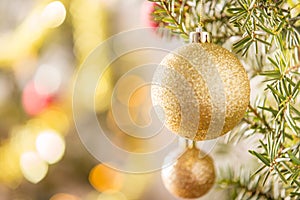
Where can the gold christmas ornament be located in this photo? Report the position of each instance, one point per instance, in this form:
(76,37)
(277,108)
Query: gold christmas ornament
(192,176)
(202,88)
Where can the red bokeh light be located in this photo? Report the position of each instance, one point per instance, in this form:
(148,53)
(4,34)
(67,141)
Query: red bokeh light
(34,102)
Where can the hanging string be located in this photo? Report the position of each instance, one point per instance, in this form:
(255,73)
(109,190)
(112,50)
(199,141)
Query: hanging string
(186,143)
(190,143)
(200,36)
(194,144)
(200,24)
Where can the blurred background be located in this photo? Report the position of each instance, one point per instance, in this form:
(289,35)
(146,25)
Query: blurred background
(42,45)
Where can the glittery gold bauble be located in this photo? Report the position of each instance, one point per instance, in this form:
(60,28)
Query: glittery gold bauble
(203,90)
(192,176)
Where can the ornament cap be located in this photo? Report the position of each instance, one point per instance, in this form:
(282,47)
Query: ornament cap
(200,36)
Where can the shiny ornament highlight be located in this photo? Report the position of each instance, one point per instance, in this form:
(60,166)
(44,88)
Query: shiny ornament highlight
(203,91)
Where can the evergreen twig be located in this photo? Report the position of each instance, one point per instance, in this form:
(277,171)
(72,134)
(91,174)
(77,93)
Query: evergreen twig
(268,31)
(260,117)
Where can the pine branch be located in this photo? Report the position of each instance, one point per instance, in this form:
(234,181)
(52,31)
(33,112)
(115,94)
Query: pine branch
(241,185)
(292,68)
(262,119)
(269,32)
(173,20)
(263,22)
(182,17)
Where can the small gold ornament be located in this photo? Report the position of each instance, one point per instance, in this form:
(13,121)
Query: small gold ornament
(192,176)
(202,88)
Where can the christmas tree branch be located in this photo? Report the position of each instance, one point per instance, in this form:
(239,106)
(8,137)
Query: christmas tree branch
(178,24)
(262,119)
(268,30)
(241,185)
(292,68)
(181,17)
(239,190)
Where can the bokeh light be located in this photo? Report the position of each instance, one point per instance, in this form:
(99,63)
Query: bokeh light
(140,106)
(33,101)
(50,146)
(47,79)
(146,17)
(63,196)
(9,166)
(55,118)
(43,45)
(103,178)
(112,195)
(89,24)
(33,167)
(6,88)
(53,14)
(126,86)
(103,92)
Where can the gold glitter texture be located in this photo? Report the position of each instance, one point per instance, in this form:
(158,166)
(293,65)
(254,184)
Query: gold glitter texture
(192,176)
(220,87)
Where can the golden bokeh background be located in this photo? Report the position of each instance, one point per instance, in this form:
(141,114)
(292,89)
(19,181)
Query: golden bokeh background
(43,43)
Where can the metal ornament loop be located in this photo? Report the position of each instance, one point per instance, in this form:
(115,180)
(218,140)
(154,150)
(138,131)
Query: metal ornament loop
(200,36)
